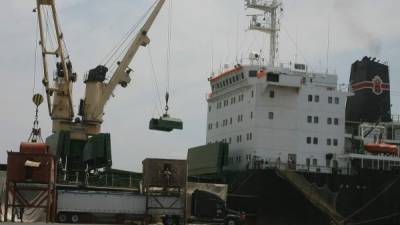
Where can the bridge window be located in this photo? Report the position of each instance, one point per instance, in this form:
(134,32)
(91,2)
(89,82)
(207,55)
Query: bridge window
(273,77)
(329,142)
(252,73)
(239,138)
(233,100)
(271,94)
(249,136)
(240,118)
(241,98)
(316,98)
(226,102)
(271,115)
(336,121)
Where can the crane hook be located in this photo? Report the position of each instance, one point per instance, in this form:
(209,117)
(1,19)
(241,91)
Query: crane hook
(165,123)
(166,103)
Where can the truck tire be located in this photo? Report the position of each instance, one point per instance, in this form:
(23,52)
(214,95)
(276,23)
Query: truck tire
(231,221)
(62,218)
(167,220)
(75,218)
(176,220)
(120,218)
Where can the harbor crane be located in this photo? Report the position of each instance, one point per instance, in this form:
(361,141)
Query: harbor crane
(77,141)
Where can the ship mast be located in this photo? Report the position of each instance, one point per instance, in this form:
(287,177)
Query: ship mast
(266,23)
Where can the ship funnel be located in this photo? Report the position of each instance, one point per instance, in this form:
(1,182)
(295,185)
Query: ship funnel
(370,84)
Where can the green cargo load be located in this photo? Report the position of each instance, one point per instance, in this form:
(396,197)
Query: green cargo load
(165,123)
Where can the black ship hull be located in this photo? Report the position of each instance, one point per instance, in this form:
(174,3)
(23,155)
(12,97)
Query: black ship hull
(370,197)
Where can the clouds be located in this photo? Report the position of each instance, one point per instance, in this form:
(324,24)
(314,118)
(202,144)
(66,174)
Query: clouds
(201,29)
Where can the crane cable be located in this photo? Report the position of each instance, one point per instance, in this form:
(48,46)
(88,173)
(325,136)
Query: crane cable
(50,37)
(35,135)
(168,66)
(156,87)
(35,57)
(121,46)
(371,201)
(54,35)
(50,32)
(124,45)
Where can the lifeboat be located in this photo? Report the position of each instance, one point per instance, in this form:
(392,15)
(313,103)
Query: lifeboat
(381,148)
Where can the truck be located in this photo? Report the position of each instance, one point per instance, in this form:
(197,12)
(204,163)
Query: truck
(207,207)
(102,205)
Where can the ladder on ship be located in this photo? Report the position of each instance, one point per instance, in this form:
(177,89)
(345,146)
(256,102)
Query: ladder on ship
(314,194)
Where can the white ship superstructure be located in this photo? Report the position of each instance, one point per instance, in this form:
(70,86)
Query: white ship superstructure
(271,115)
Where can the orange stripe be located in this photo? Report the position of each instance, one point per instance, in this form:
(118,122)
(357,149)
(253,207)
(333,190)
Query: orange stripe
(226,73)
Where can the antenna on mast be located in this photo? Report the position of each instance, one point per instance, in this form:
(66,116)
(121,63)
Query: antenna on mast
(267,23)
(328,45)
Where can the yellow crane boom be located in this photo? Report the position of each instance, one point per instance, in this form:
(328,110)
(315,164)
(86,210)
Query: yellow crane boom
(98,93)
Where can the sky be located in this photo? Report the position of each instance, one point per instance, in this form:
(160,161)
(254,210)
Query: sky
(205,35)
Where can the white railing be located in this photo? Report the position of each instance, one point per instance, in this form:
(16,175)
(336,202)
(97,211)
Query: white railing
(259,2)
(396,118)
(260,165)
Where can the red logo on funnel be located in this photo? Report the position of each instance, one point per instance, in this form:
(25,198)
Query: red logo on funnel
(377,85)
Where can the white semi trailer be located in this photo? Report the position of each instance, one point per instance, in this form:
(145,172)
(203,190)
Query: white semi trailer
(162,193)
(117,206)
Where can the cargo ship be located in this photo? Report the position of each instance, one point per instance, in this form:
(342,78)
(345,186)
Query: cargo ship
(296,147)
